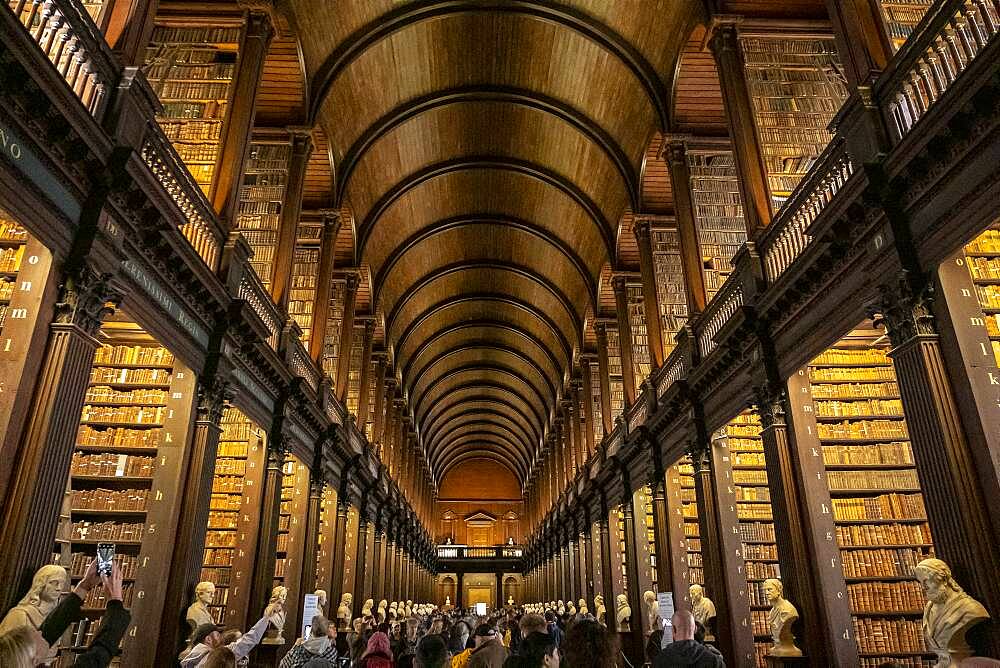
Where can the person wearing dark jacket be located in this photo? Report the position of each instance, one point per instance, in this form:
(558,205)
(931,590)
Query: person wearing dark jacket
(685,650)
(115,622)
(489,652)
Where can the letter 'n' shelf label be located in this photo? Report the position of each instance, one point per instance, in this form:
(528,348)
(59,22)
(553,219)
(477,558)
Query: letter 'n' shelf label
(15,153)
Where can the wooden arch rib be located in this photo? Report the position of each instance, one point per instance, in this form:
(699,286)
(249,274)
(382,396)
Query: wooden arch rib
(476,438)
(479,451)
(481,454)
(502,399)
(511,222)
(460,355)
(441,382)
(399,19)
(482,93)
(472,334)
(460,413)
(525,167)
(526,272)
(494,382)
(462,433)
(476,418)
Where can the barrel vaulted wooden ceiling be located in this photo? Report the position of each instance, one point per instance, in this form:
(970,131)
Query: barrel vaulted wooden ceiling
(488,152)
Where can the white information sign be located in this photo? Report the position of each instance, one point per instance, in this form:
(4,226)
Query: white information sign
(310,608)
(665,603)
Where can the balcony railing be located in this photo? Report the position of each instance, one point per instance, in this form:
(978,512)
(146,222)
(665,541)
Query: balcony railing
(69,39)
(302,365)
(466,552)
(942,47)
(726,302)
(253,293)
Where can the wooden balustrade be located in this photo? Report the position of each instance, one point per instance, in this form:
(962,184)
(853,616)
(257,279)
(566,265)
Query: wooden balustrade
(303,366)
(726,302)
(72,42)
(252,291)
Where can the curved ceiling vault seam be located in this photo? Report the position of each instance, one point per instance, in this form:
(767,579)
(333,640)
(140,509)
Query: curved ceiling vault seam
(477,419)
(489,93)
(494,384)
(476,439)
(482,427)
(442,409)
(399,19)
(528,168)
(435,429)
(466,368)
(458,222)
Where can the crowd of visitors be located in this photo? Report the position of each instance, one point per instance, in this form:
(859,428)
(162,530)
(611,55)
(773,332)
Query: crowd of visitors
(422,636)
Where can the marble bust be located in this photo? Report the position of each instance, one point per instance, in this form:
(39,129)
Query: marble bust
(780,617)
(380,611)
(344,610)
(276,611)
(582,606)
(560,608)
(366,608)
(703,609)
(321,600)
(653,620)
(624,613)
(198,612)
(948,614)
(47,585)
(510,600)
(599,610)
(571,609)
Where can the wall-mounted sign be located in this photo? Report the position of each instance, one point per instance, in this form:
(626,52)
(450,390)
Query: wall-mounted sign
(156,291)
(15,153)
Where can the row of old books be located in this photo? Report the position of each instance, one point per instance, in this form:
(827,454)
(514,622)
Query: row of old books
(117,437)
(886,596)
(882,507)
(905,479)
(104,394)
(119,376)
(79,561)
(116,531)
(862,429)
(883,562)
(887,407)
(864,535)
(111,465)
(124,414)
(884,636)
(109,499)
(896,452)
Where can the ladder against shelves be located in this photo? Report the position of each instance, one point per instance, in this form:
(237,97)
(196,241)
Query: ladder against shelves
(881,525)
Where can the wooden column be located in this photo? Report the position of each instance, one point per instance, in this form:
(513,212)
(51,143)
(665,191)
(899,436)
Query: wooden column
(361,561)
(607,571)
(862,42)
(722,550)
(603,373)
(579,450)
(347,335)
(239,120)
(193,508)
(579,572)
(725,45)
(620,286)
(38,482)
(587,565)
(378,562)
(366,364)
(262,580)
(129,29)
(803,522)
(378,407)
(638,576)
(284,254)
(588,407)
(339,551)
(650,301)
(671,544)
(957,510)
(675,152)
(324,285)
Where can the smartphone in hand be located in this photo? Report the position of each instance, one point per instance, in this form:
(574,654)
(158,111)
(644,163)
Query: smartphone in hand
(105,558)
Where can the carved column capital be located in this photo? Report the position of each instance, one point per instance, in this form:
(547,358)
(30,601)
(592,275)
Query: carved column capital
(86,299)
(724,31)
(352,280)
(770,402)
(619,283)
(213,395)
(905,313)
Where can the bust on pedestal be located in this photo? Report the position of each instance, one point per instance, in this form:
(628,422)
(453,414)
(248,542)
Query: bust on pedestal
(47,585)
(599,610)
(780,617)
(321,600)
(703,610)
(948,614)
(198,612)
(653,621)
(276,609)
(344,611)
(624,613)
(366,608)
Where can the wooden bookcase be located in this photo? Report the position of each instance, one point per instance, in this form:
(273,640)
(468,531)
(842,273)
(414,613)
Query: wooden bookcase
(291,541)
(232,524)
(797,86)
(620,583)
(123,476)
(878,510)
(354,371)
(615,373)
(369,424)
(335,315)
(648,529)
(324,555)
(305,268)
(756,522)
(670,294)
(718,213)
(595,397)
(983,260)
(13,240)
(191,71)
(900,17)
(640,336)
(692,530)
(261,200)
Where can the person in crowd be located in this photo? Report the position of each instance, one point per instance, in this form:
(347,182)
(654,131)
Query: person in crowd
(437,626)
(654,643)
(531,623)
(209,636)
(432,652)
(319,646)
(407,643)
(377,654)
(553,627)
(28,646)
(589,645)
(489,652)
(685,650)
(458,639)
(220,657)
(699,632)
(229,636)
(538,650)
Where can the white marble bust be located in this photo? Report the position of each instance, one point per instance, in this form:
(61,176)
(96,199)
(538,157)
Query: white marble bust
(624,613)
(780,617)
(948,614)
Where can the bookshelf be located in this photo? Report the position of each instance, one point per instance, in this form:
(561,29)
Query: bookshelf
(753,508)
(718,213)
(982,256)
(615,381)
(291,530)
(13,239)
(354,371)
(191,71)
(595,397)
(260,202)
(369,425)
(649,531)
(335,315)
(640,337)
(324,555)
(137,399)
(230,537)
(669,285)
(797,85)
(900,17)
(881,526)
(305,268)
(621,560)
(692,530)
